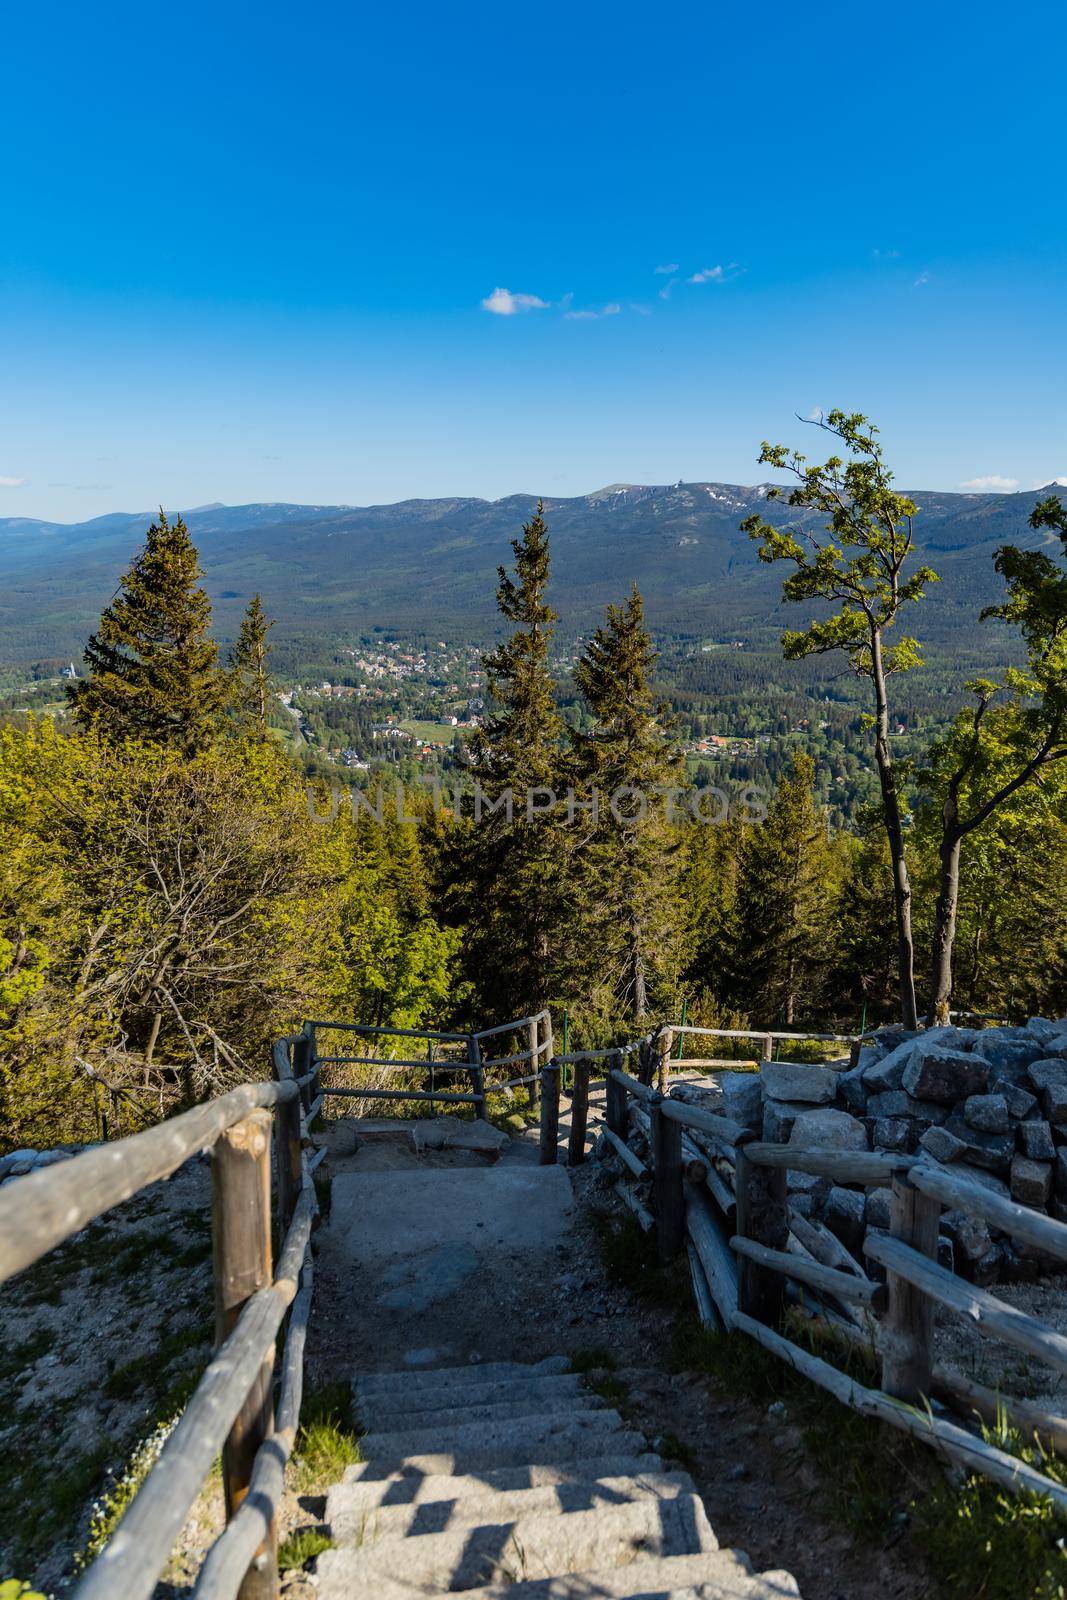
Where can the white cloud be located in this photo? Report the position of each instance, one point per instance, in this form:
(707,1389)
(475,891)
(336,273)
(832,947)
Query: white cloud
(886,255)
(924,277)
(610,310)
(668,269)
(12,483)
(502,303)
(708,275)
(992,483)
(665,292)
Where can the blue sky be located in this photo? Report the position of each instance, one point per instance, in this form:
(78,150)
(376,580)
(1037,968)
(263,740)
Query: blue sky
(253,253)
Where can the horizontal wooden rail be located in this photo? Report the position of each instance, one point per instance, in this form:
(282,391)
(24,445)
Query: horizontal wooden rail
(711,1122)
(404,1094)
(765,1033)
(827,1279)
(512,1061)
(228,1560)
(963,1194)
(625,1154)
(634,1086)
(871,1167)
(511,1027)
(989,1315)
(396,1033)
(948,1438)
(46,1207)
(510,1083)
(439,1064)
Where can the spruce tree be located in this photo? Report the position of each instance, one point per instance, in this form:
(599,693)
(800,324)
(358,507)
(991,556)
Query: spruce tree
(250,681)
(785,904)
(153,670)
(625,763)
(513,865)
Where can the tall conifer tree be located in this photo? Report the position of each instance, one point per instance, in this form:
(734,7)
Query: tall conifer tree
(153,670)
(514,861)
(250,681)
(624,763)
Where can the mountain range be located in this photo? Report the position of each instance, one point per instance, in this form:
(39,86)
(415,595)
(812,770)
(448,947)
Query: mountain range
(423,566)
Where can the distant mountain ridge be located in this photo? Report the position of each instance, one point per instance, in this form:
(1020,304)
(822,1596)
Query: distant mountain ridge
(420,565)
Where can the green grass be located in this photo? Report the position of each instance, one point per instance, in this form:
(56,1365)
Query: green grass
(152,1374)
(629,1257)
(328,1439)
(592,1358)
(671,1448)
(302,1547)
(17,1356)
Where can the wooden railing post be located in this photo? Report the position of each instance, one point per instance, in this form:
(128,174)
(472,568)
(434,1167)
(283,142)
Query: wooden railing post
(616,1097)
(288,1158)
(240,1209)
(302,1065)
(550,1115)
(579,1113)
(908,1326)
(474,1056)
(664,1044)
(669,1181)
(768,1046)
(761,1197)
(535,1061)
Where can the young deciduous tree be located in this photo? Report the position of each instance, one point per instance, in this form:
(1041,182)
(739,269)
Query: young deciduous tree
(624,763)
(996,749)
(153,671)
(250,680)
(856,565)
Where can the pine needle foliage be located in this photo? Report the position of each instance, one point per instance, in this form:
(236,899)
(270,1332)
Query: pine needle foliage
(250,680)
(153,670)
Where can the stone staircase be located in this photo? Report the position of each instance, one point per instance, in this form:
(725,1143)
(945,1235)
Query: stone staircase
(512,1482)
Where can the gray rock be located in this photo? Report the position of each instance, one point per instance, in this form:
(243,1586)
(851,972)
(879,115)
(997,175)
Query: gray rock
(1008,1047)
(778,1119)
(1049,1077)
(1059,1172)
(969,1235)
(16,1162)
(896,1103)
(1035,1141)
(797,1081)
(49,1158)
(1043,1028)
(990,1150)
(851,1090)
(942,1145)
(986,1112)
(879,1208)
(843,1211)
(893,1133)
(1031,1181)
(946,1253)
(742,1098)
(1021,1103)
(945,1075)
(826,1129)
(889,1071)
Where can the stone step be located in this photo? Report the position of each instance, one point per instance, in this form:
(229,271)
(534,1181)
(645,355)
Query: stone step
(457,1395)
(562,1449)
(414,1488)
(526,1547)
(421,1378)
(352,1521)
(712,1575)
(521,1434)
(416,1420)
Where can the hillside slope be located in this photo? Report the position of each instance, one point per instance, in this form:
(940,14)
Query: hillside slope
(430,565)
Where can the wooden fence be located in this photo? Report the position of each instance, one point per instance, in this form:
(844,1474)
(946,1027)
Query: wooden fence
(722,1195)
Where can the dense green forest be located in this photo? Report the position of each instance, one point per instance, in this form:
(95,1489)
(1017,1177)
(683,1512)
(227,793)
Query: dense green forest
(182,875)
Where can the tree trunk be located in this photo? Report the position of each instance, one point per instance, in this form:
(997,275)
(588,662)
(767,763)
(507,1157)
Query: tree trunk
(637,975)
(948,894)
(895,832)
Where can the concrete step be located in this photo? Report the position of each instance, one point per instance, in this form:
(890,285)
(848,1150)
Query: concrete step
(376,1409)
(712,1575)
(429,1378)
(523,1548)
(526,1436)
(351,1521)
(449,1417)
(414,1488)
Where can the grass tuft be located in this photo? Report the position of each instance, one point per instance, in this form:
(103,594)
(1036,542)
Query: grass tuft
(328,1439)
(302,1547)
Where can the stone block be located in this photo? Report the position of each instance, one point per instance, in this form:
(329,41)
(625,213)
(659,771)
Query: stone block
(970,1236)
(1021,1103)
(1035,1140)
(778,1119)
(944,1075)
(742,1098)
(879,1208)
(888,1072)
(893,1133)
(826,1129)
(942,1145)
(1007,1047)
(798,1081)
(1049,1077)
(843,1212)
(1031,1181)
(1059,1172)
(986,1112)
(851,1090)
(946,1253)
(990,1150)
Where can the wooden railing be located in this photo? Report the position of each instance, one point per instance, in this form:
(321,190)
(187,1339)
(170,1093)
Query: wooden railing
(473,1062)
(751,1254)
(232,1409)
